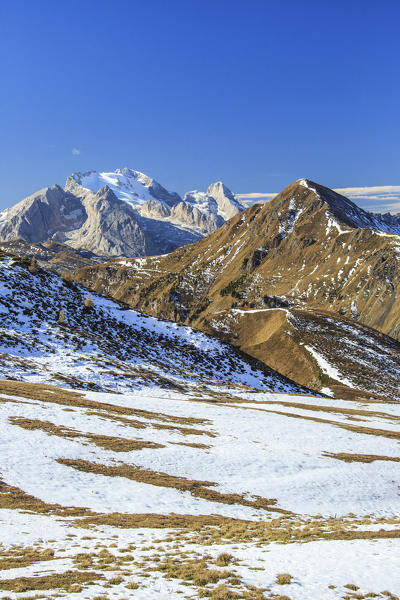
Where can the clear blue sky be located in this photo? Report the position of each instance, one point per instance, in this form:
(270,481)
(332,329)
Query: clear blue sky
(254,92)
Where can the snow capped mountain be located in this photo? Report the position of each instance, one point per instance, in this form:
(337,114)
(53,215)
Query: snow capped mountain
(120,213)
(228,204)
(218,200)
(129,185)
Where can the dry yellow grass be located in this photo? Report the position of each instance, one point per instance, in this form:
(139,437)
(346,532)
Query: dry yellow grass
(224,559)
(364,458)
(22,557)
(49,582)
(55,395)
(12,497)
(196,571)
(189,523)
(195,487)
(116,444)
(284,579)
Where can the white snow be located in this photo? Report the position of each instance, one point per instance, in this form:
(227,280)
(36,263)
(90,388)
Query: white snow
(327,368)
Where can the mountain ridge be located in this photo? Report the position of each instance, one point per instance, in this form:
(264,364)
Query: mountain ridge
(147,218)
(308,249)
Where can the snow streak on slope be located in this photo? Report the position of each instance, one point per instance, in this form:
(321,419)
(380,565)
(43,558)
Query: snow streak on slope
(106,346)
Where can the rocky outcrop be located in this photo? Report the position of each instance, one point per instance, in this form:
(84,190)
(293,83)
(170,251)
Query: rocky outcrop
(41,215)
(228,204)
(111,227)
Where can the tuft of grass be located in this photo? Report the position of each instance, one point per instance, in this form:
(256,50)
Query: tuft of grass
(132,585)
(224,559)
(284,579)
(222,592)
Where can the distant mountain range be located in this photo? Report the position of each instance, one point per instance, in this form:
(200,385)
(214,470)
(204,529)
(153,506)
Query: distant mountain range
(305,283)
(123,213)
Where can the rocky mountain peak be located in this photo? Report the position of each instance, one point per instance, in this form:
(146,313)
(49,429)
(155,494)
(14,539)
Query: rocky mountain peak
(308,197)
(228,205)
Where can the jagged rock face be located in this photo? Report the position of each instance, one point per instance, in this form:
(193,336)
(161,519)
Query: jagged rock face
(307,249)
(228,205)
(111,229)
(155,209)
(188,212)
(136,217)
(41,215)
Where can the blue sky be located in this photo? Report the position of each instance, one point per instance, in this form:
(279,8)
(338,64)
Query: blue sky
(255,93)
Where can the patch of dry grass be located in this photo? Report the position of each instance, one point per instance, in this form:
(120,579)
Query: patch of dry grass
(63,581)
(12,497)
(22,557)
(364,458)
(188,523)
(116,444)
(224,559)
(195,487)
(284,579)
(195,571)
(55,395)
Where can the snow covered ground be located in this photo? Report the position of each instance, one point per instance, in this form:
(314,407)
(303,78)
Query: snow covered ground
(143,459)
(266,485)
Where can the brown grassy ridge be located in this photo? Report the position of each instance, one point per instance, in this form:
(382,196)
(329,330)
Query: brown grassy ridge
(66,581)
(107,442)
(195,487)
(364,458)
(55,395)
